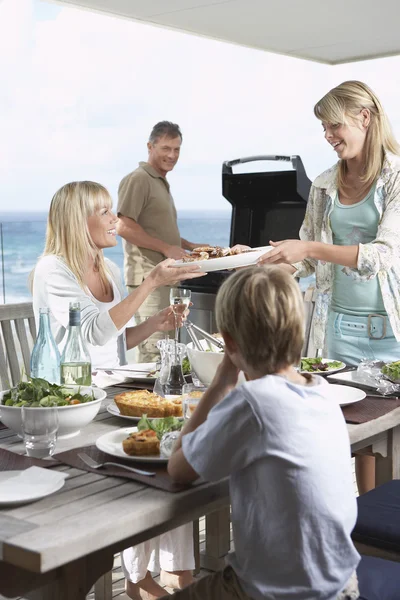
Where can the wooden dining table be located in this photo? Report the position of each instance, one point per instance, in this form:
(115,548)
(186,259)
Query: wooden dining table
(56,548)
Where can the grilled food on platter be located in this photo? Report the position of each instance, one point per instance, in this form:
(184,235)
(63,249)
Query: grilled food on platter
(140,402)
(146,441)
(207,252)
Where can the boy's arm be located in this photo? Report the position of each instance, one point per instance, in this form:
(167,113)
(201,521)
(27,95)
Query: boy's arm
(224,381)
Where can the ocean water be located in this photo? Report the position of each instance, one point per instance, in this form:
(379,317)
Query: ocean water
(23,236)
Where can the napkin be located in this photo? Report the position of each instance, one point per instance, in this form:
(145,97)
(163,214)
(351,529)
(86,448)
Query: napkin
(103,379)
(31,483)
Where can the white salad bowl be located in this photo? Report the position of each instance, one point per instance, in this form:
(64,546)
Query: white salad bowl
(204,363)
(71,419)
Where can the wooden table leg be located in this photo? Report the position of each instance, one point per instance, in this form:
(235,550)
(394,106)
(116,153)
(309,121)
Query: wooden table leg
(103,587)
(218,534)
(388,463)
(196,546)
(74,580)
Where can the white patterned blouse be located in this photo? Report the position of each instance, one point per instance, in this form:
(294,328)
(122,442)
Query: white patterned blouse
(379,258)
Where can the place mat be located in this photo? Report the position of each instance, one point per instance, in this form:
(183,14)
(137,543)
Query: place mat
(161,480)
(368,409)
(10,461)
(141,385)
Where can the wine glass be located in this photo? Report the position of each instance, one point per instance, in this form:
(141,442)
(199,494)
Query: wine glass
(179,296)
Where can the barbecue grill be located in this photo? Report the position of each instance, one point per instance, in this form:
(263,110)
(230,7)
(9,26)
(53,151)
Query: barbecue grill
(266,205)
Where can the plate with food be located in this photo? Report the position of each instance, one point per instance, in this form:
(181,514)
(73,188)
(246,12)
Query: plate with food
(139,371)
(141,443)
(321,365)
(392,371)
(215,258)
(136,403)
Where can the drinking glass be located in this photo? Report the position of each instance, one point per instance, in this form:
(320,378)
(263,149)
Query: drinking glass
(39,428)
(191,396)
(179,296)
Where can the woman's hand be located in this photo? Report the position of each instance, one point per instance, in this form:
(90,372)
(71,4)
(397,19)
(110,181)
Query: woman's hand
(286,251)
(169,318)
(165,273)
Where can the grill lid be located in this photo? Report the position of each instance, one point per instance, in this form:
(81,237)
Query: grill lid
(266,205)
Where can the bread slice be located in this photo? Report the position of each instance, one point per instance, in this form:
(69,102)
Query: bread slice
(142,443)
(142,402)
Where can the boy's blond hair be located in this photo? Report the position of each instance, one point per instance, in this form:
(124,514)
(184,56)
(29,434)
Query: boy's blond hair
(261,308)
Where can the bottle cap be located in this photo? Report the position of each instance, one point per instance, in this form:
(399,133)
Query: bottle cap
(74,313)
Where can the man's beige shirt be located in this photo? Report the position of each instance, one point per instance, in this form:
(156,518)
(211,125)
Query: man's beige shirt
(144,195)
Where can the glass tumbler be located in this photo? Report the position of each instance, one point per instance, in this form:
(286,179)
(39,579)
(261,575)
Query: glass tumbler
(191,396)
(39,429)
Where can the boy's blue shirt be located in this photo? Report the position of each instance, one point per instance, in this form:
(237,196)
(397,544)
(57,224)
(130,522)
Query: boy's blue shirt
(287,452)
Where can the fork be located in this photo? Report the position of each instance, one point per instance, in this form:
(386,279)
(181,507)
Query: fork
(88,460)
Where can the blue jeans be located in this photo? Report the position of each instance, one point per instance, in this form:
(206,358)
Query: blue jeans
(353,339)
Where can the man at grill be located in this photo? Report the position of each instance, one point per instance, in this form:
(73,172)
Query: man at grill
(148,222)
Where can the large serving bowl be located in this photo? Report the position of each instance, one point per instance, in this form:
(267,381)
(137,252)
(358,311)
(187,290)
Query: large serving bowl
(71,418)
(204,363)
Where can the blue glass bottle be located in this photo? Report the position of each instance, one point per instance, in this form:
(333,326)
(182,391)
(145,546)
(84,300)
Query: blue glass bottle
(45,358)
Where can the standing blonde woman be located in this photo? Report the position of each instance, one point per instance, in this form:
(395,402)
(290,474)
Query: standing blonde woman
(73,268)
(350,237)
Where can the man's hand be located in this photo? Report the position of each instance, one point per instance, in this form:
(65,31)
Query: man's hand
(175,252)
(240,248)
(186,245)
(286,251)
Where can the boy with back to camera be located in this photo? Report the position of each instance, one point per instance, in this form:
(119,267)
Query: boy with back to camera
(285,448)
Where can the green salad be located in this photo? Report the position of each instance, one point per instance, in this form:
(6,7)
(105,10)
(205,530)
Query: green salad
(315,365)
(392,370)
(39,392)
(160,426)
(186,366)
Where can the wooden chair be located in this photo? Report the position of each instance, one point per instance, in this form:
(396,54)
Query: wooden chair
(17,337)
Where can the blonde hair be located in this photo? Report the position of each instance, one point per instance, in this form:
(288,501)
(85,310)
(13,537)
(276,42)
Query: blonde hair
(261,308)
(343,104)
(67,234)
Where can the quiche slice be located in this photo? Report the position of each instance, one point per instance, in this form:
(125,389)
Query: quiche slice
(142,402)
(142,443)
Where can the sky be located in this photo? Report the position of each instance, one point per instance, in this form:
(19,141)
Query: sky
(81,91)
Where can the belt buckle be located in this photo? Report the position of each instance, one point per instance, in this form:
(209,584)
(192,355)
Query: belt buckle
(373,337)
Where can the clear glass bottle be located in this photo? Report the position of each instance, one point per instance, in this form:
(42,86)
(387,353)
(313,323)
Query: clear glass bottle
(45,357)
(175,380)
(76,366)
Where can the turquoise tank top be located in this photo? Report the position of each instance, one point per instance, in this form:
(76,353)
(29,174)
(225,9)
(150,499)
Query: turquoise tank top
(351,225)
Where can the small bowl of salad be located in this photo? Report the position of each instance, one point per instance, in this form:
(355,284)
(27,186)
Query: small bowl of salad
(392,371)
(76,405)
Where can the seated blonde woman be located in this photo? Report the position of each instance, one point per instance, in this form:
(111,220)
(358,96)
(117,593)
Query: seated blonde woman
(73,268)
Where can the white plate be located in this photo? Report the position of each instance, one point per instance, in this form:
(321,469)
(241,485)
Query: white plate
(133,371)
(344,394)
(227,262)
(30,496)
(111,443)
(325,360)
(350,377)
(114,411)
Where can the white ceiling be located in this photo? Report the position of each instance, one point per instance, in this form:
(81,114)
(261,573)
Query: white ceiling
(326,31)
